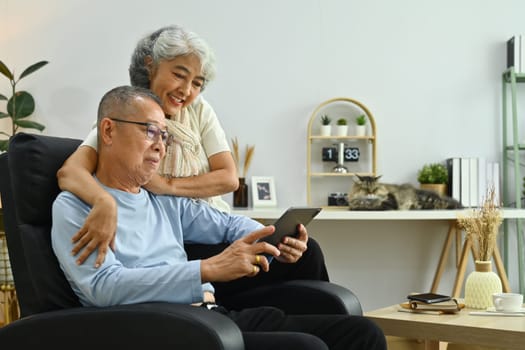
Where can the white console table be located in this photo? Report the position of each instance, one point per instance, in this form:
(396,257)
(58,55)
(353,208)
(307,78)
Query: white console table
(341,214)
(463,246)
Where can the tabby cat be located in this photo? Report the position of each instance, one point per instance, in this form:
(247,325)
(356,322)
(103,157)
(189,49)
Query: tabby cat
(367,193)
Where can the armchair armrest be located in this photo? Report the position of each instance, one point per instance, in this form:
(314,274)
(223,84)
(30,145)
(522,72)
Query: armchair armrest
(295,297)
(139,326)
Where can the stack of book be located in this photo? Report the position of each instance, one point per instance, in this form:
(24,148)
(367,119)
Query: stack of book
(470,178)
(516,53)
(444,307)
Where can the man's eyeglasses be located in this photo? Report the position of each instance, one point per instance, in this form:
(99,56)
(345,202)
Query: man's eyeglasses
(152,131)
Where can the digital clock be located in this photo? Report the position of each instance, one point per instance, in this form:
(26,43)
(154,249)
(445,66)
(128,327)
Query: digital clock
(351,154)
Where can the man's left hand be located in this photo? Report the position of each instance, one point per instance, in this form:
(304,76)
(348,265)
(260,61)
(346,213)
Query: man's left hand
(292,248)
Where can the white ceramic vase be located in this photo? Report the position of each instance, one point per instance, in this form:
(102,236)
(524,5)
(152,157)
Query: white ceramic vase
(326,130)
(360,130)
(341,130)
(480,286)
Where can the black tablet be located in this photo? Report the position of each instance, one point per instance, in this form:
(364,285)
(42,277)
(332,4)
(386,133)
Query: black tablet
(286,225)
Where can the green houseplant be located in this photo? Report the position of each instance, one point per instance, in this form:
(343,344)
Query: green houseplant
(326,128)
(361,120)
(20,105)
(342,127)
(360,128)
(434,173)
(325,119)
(433,176)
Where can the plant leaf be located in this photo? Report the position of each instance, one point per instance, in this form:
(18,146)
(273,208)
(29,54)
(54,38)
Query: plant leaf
(33,68)
(3,115)
(5,71)
(21,105)
(2,97)
(27,124)
(3,145)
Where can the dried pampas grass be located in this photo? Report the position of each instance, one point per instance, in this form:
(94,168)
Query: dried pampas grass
(248,156)
(482,227)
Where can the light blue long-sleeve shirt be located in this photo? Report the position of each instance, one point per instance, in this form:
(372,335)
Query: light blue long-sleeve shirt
(149,262)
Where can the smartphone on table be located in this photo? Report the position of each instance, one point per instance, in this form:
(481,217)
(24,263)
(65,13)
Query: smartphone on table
(286,225)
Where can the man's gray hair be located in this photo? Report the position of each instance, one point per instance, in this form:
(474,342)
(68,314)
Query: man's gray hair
(117,102)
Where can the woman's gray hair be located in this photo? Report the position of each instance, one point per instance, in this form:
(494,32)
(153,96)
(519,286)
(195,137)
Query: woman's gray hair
(168,43)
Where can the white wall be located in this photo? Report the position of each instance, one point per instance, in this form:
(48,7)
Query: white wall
(429,71)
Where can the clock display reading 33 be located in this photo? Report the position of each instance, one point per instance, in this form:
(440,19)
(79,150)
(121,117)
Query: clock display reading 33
(351,154)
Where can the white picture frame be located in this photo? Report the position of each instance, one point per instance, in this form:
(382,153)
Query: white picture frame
(263,191)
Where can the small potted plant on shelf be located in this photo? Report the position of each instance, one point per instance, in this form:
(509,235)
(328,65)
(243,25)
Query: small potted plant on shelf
(434,177)
(360,128)
(342,127)
(326,128)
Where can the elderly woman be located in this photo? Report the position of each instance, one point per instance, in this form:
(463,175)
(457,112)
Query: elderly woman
(176,65)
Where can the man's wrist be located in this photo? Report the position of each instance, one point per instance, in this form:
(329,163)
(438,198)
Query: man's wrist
(209,305)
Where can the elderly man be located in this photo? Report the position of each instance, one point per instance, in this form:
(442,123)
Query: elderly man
(150,263)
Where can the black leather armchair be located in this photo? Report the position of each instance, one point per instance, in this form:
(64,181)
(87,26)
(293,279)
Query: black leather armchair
(50,311)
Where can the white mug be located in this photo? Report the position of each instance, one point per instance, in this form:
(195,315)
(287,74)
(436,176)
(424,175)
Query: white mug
(507,302)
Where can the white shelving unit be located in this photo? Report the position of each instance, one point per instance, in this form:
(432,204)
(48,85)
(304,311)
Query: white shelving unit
(513,151)
(321,177)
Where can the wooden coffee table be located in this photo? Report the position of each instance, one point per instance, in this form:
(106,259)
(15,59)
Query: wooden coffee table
(499,331)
